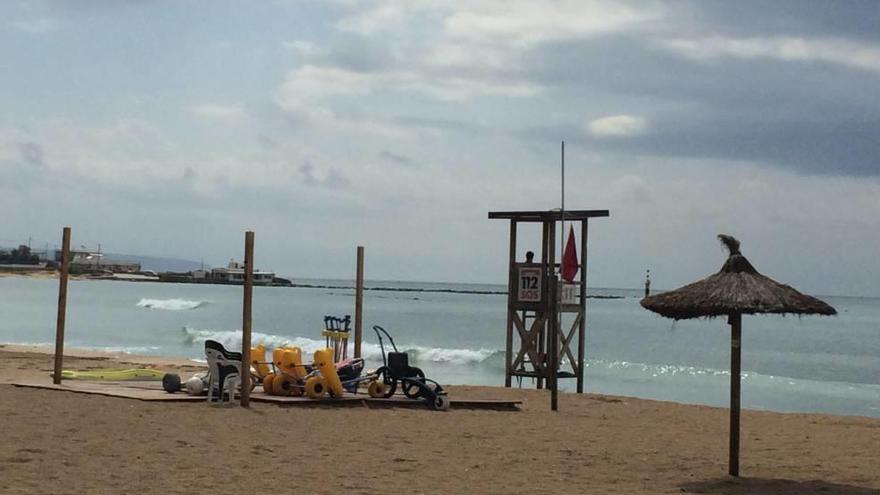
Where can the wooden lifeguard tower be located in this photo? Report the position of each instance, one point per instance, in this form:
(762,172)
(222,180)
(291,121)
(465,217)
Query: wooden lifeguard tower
(535,298)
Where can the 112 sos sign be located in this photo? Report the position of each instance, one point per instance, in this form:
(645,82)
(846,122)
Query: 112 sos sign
(529,284)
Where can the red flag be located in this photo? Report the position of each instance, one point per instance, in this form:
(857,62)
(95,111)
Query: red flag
(570,258)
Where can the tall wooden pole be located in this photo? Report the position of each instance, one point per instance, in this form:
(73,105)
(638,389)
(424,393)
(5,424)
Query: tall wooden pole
(359,303)
(583,321)
(511,297)
(62,305)
(246,319)
(553,367)
(735,365)
(547,247)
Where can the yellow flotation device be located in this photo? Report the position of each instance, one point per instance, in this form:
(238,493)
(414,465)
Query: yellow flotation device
(258,361)
(291,363)
(276,356)
(324,363)
(267,384)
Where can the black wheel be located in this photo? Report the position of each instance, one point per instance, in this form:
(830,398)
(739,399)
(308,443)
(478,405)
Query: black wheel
(389,381)
(171,382)
(441,403)
(411,387)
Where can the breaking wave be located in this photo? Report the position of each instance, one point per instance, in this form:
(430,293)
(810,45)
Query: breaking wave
(170,304)
(370,351)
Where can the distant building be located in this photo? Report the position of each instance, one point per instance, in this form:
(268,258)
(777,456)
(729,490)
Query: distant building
(85,261)
(233,273)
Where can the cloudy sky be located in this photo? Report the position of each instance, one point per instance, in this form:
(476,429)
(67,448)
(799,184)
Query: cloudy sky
(170,127)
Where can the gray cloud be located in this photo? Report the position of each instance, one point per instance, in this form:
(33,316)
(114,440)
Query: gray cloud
(396,159)
(333,178)
(809,117)
(357,53)
(32,154)
(854,18)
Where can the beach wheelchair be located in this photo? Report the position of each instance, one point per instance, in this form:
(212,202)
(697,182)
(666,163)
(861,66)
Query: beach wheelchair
(396,370)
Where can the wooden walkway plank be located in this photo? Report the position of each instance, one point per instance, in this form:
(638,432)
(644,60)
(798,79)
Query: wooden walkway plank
(123,392)
(152,392)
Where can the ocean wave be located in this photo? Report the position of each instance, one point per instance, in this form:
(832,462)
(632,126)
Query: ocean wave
(657,370)
(137,350)
(370,351)
(71,348)
(170,304)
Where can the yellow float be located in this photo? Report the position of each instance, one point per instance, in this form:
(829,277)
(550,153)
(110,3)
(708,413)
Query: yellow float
(324,363)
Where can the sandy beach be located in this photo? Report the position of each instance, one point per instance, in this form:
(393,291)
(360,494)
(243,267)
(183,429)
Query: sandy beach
(31,274)
(62,442)
(40,274)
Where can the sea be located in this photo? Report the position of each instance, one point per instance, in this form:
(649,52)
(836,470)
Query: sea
(456,334)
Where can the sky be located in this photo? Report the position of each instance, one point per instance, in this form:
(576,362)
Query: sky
(169,128)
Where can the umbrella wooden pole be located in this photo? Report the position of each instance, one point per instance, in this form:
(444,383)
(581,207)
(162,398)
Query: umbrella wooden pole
(246,319)
(735,366)
(62,305)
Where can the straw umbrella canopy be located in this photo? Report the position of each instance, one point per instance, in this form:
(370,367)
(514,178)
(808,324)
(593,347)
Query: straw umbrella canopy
(736,289)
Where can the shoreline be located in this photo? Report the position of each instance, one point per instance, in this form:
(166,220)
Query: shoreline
(78,354)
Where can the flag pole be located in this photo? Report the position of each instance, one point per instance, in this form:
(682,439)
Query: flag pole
(562,210)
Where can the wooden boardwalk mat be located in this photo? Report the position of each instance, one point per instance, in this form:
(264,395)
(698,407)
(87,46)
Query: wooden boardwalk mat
(146,391)
(152,391)
(364,400)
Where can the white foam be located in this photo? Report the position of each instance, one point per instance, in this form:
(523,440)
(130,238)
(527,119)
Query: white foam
(370,351)
(170,304)
(139,350)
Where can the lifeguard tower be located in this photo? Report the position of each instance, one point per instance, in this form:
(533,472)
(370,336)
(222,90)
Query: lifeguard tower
(534,299)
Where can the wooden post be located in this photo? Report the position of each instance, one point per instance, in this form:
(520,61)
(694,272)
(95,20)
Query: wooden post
(246,319)
(62,305)
(582,324)
(511,296)
(735,364)
(359,303)
(553,368)
(552,307)
(546,251)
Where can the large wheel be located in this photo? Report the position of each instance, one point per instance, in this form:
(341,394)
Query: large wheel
(171,382)
(376,389)
(282,385)
(389,381)
(316,387)
(411,387)
(267,384)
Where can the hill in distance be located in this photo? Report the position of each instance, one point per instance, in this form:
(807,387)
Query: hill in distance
(156,263)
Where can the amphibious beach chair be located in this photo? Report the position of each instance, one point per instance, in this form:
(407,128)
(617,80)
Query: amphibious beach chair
(224,370)
(222,379)
(332,372)
(321,378)
(396,369)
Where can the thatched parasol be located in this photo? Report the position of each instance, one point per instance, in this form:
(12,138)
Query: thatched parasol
(737,289)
